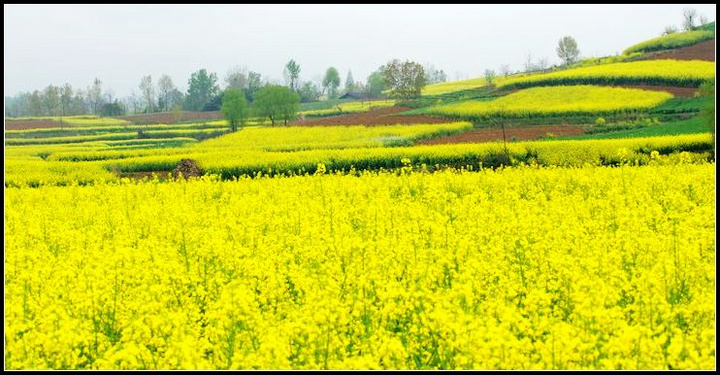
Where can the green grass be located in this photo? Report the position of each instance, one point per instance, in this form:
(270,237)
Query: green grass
(681,105)
(691,126)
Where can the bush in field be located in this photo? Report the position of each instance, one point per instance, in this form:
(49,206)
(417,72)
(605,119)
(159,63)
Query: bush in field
(234,108)
(277,103)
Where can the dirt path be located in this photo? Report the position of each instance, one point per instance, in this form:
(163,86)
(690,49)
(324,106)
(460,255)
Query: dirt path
(381,116)
(525,133)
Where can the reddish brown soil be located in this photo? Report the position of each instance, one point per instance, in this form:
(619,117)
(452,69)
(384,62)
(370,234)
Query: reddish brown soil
(701,51)
(524,133)
(31,124)
(682,92)
(381,116)
(162,175)
(171,117)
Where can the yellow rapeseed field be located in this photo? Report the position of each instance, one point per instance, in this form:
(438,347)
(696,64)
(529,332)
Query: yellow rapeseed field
(521,268)
(555,100)
(351,107)
(648,72)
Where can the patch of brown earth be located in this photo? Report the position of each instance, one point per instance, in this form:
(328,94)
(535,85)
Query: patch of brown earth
(186,169)
(381,116)
(700,51)
(524,133)
(31,124)
(162,175)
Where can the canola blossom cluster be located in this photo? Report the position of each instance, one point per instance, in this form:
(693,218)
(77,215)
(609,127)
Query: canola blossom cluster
(518,268)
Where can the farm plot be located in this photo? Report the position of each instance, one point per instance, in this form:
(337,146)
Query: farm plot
(647,72)
(521,268)
(553,101)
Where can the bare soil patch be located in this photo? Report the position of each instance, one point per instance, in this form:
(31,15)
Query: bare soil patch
(375,117)
(32,124)
(524,133)
(700,51)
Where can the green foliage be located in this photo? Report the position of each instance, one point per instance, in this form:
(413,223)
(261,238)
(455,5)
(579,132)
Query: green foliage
(675,40)
(202,87)
(691,126)
(489,76)
(375,84)
(292,73)
(707,113)
(405,80)
(707,27)
(309,92)
(114,108)
(681,105)
(331,82)
(234,108)
(277,103)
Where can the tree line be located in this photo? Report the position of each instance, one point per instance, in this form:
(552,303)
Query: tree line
(203,94)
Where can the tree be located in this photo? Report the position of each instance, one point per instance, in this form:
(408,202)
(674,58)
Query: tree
(309,92)
(148,93)
(94,95)
(51,100)
(375,84)
(349,82)
(277,103)
(433,75)
(79,104)
(291,74)
(505,70)
(254,83)
(489,76)
(689,17)
(670,29)
(112,108)
(234,108)
(165,89)
(567,50)
(404,79)
(66,96)
(702,20)
(202,87)
(236,78)
(331,82)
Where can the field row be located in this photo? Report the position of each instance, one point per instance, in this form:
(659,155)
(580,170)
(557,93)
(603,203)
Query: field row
(24,169)
(651,72)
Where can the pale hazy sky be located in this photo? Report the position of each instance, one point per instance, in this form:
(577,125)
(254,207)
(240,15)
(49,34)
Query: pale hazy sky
(55,44)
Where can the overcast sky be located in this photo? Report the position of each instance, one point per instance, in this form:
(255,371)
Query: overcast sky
(55,44)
